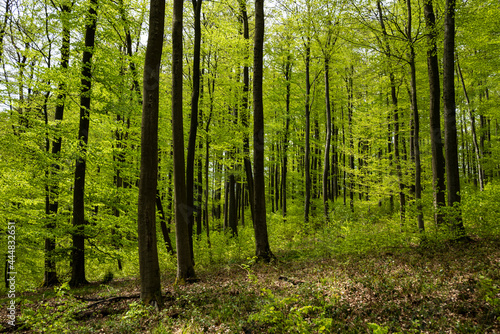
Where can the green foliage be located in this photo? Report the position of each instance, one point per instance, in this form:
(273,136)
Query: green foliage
(55,316)
(290,315)
(490,291)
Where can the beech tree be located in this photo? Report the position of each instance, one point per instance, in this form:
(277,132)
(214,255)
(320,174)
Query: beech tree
(185,267)
(148,253)
(78,251)
(262,249)
(438,162)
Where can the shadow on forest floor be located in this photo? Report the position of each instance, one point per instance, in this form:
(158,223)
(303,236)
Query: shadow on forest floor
(446,288)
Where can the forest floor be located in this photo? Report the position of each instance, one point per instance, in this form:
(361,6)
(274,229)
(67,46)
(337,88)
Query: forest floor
(445,288)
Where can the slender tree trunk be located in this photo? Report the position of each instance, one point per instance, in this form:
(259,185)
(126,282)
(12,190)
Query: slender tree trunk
(194,122)
(163,224)
(148,253)
(307,149)
(450,122)
(3,27)
(50,275)
(326,165)
(284,166)
(438,163)
(262,249)
(185,265)
(78,251)
(416,122)
(477,151)
(244,114)
(350,96)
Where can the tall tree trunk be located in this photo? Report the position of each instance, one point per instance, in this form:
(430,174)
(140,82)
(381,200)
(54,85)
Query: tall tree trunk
(438,163)
(50,274)
(194,122)
(78,251)
(394,101)
(185,266)
(350,96)
(307,149)
(244,114)
(284,166)
(416,122)
(262,249)
(450,122)
(148,253)
(326,165)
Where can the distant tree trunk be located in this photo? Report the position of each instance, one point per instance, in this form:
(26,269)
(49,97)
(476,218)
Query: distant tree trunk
(165,230)
(50,274)
(307,149)
(194,121)
(232,208)
(450,122)
(394,101)
(438,163)
(326,165)
(78,251)
(350,96)
(244,114)
(284,166)
(262,249)
(416,122)
(148,253)
(185,266)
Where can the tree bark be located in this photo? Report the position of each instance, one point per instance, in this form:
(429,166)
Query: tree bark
(416,122)
(262,249)
(148,253)
(450,122)
(326,165)
(185,266)
(244,114)
(78,251)
(438,163)
(284,166)
(50,274)
(307,149)
(194,121)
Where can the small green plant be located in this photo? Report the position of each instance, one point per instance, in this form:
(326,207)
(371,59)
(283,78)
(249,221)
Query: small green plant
(287,315)
(490,290)
(248,268)
(56,316)
(377,329)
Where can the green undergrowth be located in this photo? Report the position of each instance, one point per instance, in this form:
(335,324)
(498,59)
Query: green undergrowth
(443,287)
(357,272)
